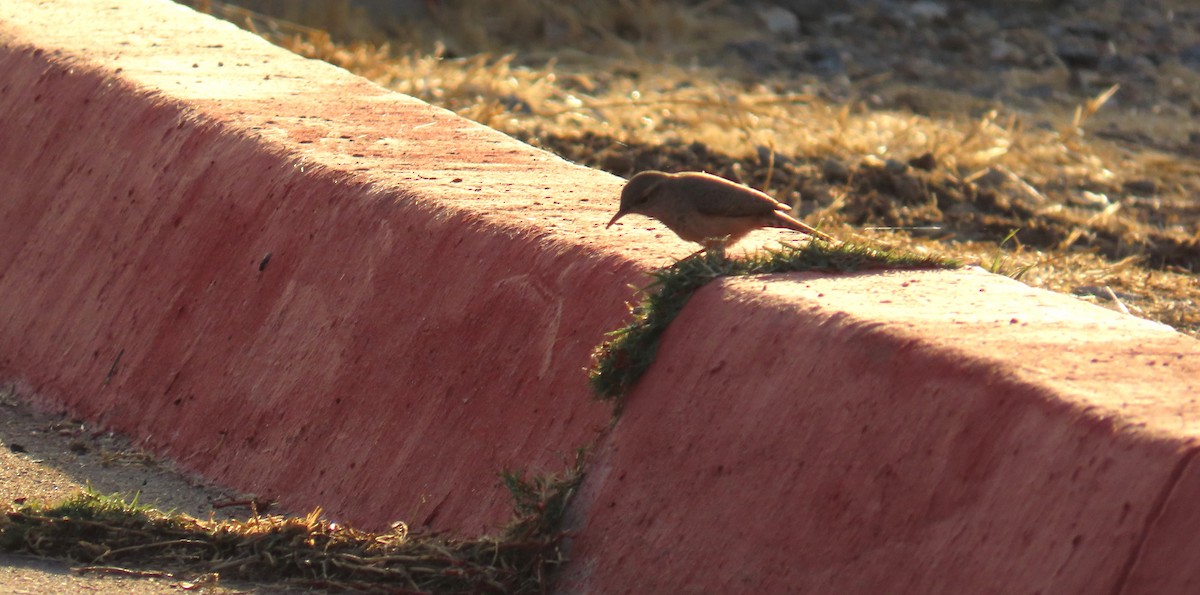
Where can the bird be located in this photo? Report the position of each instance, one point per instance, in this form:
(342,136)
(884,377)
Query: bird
(705,209)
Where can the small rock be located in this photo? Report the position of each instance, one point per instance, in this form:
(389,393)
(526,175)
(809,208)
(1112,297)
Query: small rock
(961,210)
(1190,56)
(806,10)
(825,59)
(1121,63)
(1037,92)
(927,10)
(909,190)
(1079,55)
(919,68)
(886,16)
(839,19)
(767,155)
(895,166)
(779,20)
(926,162)
(979,23)
(759,54)
(1000,50)
(1141,187)
(955,41)
(993,178)
(1090,28)
(833,170)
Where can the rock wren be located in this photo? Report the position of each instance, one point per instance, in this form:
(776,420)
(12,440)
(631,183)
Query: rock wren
(705,209)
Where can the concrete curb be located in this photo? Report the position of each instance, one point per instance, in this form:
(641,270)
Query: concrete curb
(287,278)
(299,284)
(891,433)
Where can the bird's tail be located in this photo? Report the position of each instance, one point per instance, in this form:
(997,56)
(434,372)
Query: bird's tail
(788,222)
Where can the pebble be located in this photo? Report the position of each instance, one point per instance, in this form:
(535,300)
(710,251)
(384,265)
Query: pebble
(1190,56)
(1141,187)
(927,11)
(825,59)
(779,20)
(806,10)
(833,170)
(1078,54)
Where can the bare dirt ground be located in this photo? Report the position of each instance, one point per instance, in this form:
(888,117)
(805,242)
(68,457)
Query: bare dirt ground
(165,532)
(48,457)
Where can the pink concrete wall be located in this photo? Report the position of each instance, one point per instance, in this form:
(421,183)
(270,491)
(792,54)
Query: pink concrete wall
(889,433)
(396,352)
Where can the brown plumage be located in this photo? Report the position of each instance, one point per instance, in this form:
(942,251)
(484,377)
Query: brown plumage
(704,208)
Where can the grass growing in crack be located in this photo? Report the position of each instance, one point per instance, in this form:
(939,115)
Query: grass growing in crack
(539,504)
(628,351)
(108,534)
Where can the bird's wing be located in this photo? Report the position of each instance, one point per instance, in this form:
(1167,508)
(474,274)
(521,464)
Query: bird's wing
(720,197)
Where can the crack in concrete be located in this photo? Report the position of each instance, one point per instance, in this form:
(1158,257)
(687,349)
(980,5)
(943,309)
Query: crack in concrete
(1156,512)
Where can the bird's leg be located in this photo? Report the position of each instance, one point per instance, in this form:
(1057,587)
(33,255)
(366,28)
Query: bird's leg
(716,246)
(714,249)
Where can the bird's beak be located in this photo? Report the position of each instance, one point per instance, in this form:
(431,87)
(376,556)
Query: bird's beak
(614,219)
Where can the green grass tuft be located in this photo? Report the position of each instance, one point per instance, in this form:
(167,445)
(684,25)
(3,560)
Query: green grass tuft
(628,351)
(540,502)
(91,505)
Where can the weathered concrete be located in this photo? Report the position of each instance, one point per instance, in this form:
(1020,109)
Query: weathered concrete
(906,432)
(433,289)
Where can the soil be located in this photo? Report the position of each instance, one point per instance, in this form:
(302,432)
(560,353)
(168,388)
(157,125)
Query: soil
(46,457)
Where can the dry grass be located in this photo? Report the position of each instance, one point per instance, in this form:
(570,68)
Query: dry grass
(110,536)
(628,97)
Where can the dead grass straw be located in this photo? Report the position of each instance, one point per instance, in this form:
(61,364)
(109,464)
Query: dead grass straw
(106,534)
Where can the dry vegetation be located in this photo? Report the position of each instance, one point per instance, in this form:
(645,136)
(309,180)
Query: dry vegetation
(1099,192)
(105,534)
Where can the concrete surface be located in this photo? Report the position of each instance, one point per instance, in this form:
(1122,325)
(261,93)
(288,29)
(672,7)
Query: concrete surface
(916,432)
(432,287)
(301,285)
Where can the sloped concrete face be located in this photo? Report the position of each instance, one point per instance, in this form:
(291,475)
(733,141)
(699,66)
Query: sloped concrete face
(1166,559)
(287,278)
(889,433)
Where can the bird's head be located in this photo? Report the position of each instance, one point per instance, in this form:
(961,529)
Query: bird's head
(638,194)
